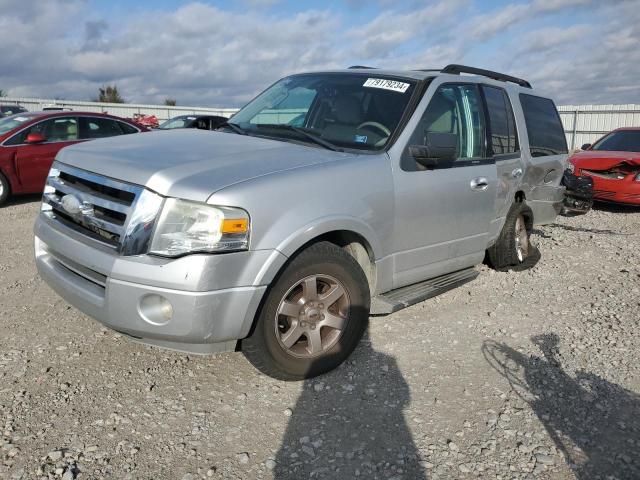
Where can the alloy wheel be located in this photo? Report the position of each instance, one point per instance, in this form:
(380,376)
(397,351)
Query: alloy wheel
(312,316)
(522,239)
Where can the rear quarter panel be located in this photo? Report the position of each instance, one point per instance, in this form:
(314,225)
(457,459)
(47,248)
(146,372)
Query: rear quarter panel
(542,175)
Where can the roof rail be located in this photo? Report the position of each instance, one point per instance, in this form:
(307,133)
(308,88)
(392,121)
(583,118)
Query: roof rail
(362,66)
(458,69)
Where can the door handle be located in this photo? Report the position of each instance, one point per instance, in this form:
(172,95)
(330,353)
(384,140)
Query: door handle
(517,173)
(479,183)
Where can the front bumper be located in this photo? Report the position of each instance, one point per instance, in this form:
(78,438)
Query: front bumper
(626,190)
(213,298)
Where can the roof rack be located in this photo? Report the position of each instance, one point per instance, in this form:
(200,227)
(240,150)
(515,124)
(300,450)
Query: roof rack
(362,66)
(458,69)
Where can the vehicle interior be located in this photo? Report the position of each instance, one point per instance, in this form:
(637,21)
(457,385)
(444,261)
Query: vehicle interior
(336,108)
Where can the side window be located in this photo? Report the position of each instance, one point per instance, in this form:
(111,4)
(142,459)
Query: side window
(63,129)
(126,128)
(95,127)
(544,128)
(501,124)
(60,129)
(454,110)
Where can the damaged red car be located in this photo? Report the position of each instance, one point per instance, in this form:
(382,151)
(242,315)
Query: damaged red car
(613,162)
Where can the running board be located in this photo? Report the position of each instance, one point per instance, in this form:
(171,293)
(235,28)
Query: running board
(404,297)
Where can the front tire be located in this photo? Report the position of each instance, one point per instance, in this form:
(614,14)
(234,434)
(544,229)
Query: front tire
(5,189)
(313,316)
(513,247)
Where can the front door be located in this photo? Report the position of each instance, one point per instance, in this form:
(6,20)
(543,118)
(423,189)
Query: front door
(34,160)
(443,213)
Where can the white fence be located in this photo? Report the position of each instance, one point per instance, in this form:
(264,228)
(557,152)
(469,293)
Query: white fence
(582,123)
(586,123)
(126,110)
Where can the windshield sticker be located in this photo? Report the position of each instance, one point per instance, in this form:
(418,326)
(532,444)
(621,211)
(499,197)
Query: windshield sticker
(392,85)
(360,139)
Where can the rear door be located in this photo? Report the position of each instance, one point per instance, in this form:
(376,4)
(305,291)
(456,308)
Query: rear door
(547,157)
(443,214)
(99,127)
(34,160)
(504,148)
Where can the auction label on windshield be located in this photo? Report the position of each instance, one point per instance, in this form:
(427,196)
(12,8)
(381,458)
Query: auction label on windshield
(386,84)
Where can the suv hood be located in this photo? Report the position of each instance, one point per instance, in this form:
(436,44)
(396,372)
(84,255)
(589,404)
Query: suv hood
(191,164)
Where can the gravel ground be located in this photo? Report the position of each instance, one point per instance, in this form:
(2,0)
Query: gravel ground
(533,374)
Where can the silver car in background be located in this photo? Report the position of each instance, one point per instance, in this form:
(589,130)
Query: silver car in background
(329,197)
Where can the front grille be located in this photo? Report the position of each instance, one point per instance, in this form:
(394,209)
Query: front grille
(608,174)
(99,207)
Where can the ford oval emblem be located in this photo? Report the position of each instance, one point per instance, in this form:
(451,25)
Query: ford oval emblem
(71,204)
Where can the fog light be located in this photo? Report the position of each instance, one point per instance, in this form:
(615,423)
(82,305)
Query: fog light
(155,309)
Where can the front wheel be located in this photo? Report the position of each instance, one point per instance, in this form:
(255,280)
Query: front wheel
(313,316)
(4,189)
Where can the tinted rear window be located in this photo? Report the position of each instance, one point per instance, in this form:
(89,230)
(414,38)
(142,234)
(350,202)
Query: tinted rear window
(501,122)
(546,134)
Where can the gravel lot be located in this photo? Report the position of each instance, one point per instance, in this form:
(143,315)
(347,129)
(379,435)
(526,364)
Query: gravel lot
(533,374)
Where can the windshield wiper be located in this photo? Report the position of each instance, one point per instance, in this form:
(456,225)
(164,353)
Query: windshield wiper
(311,136)
(236,128)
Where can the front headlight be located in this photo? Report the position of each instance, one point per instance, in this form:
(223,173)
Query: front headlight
(189,227)
(571,167)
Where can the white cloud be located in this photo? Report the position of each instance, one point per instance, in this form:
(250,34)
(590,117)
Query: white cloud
(389,30)
(488,25)
(204,55)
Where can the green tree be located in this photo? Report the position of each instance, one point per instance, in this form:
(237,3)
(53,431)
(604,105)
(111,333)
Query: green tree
(109,94)
(3,93)
(170,102)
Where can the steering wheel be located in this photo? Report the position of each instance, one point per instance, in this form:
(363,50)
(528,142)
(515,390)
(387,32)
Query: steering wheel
(377,125)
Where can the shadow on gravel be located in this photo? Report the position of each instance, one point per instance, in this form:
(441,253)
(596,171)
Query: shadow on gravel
(595,423)
(616,207)
(22,199)
(349,423)
(569,228)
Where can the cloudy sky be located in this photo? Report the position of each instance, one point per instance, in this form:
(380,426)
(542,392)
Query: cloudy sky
(221,53)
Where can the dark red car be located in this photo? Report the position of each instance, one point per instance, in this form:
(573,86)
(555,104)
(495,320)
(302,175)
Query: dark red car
(614,164)
(30,141)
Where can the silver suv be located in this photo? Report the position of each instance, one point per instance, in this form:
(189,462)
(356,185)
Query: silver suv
(329,197)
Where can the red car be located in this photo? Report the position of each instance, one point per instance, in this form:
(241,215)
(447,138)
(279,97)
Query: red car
(614,164)
(30,141)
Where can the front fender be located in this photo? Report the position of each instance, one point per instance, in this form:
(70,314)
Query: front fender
(328,224)
(290,209)
(296,240)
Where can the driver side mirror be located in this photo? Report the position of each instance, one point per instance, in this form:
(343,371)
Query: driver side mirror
(586,146)
(439,148)
(35,138)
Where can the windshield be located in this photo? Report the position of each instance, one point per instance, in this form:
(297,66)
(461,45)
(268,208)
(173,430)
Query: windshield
(621,141)
(344,110)
(177,122)
(13,121)
(11,109)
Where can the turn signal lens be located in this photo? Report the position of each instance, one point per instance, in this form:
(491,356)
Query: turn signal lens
(235,225)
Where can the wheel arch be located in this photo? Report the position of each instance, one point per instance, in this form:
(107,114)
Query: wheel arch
(349,239)
(520,197)
(353,235)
